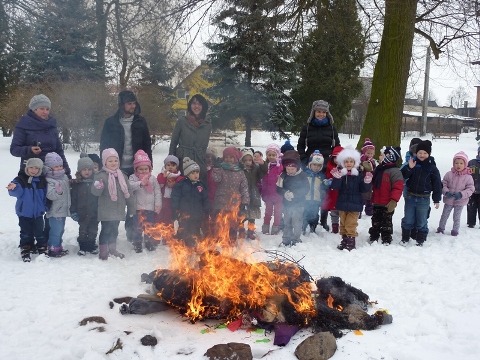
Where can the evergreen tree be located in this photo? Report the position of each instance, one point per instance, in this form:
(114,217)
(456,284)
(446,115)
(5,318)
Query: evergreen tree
(331,57)
(64,43)
(155,69)
(252,67)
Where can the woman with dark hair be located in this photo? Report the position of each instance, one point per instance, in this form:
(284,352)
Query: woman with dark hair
(191,135)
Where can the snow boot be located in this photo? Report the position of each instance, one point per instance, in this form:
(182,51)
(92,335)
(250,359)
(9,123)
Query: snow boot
(251,234)
(350,243)
(440,231)
(413,234)
(405,237)
(313,227)
(343,243)
(56,251)
(275,230)
(421,238)
(265,229)
(112,249)
(335,228)
(386,239)
(150,245)
(33,249)
(241,233)
(454,233)
(323,219)
(103,252)
(42,250)
(137,246)
(25,253)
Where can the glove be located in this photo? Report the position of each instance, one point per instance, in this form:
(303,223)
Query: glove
(367,166)
(58,188)
(336,173)
(74,216)
(448,194)
(98,184)
(217,163)
(457,195)
(242,211)
(327,182)
(368,178)
(288,195)
(392,204)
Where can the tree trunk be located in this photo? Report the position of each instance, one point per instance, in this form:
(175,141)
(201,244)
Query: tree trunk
(248,131)
(384,114)
(101,45)
(123,71)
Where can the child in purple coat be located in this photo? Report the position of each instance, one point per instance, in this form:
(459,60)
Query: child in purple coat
(273,201)
(458,186)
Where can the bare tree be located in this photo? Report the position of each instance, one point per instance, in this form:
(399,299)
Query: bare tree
(458,96)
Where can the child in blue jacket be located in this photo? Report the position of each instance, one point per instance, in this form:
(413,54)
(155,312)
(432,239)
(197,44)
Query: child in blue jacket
(30,189)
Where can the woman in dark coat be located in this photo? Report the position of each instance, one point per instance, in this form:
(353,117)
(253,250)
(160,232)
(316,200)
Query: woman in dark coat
(191,135)
(36,134)
(318,133)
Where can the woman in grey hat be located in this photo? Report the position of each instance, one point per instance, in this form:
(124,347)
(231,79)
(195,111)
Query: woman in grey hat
(36,134)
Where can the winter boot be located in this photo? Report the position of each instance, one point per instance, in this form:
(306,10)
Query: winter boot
(374,235)
(103,253)
(91,247)
(275,230)
(350,243)
(313,227)
(413,234)
(241,232)
(454,233)
(323,220)
(386,239)
(25,253)
(33,249)
(150,245)
(335,228)
(42,250)
(83,247)
(251,234)
(440,231)
(421,238)
(56,251)
(405,237)
(265,229)
(343,243)
(112,249)
(137,246)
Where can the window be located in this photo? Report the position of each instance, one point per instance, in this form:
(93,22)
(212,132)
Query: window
(181,113)
(183,94)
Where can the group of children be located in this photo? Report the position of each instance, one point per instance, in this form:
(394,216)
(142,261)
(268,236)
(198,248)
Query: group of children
(237,182)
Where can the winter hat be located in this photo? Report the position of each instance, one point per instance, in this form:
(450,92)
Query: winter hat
(315,158)
(391,154)
(189,165)
(461,155)
(38,101)
(108,153)
(232,151)
(425,145)
(126,96)
(95,158)
(34,162)
(212,151)
(349,152)
(84,163)
(336,150)
(52,160)
(367,145)
(274,148)
(319,105)
(246,152)
(287,146)
(171,158)
(413,145)
(141,158)
(291,157)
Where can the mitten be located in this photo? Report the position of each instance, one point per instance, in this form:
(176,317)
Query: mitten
(288,195)
(336,173)
(367,166)
(457,196)
(74,216)
(448,194)
(368,178)
(58,188)
(327,182)
(98,184)
(392,204)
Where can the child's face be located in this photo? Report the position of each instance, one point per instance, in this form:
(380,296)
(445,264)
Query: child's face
(248,161)
(171,167)
(112,163)
(210,159)
(459,164)
(335,160)
(56,168)
(95,167)
(32,171)
(228,159)
(320,114)
(86,173)
(315,167)
(369,153)
(422,155)
(349,164)
(194,176)
(271,157)
(291,169)
(257,157)
(143,169)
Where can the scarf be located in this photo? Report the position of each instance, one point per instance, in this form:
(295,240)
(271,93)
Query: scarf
(168,190)
(274,164)
(194,121)
(466,171)
(378,173)
(55,174)
(112,186)
(320,122)
(140,177)
(231,167)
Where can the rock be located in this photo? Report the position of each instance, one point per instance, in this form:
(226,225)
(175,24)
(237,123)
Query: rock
(357,316)
(230,351)
(321,346)
(149,340)
(97,319)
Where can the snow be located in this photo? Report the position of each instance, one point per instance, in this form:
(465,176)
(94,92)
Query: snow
(432,292)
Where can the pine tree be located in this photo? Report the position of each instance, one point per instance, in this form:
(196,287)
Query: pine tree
(252,67)
(155,70)
(331,57)
(64,43)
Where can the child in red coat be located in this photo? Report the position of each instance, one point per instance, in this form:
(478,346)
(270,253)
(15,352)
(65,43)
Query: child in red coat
(331,197)
(167,179)
(273,201)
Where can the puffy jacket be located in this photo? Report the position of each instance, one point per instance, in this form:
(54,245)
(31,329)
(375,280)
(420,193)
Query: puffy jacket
(458,182)
(84,203)
(31,198)
(350,189)
(60,203)
(391,186)
(269,182)
(314,137)
(316,188)
(253,176)
(189,200)
(144,199)
(424,179)
(232,189)
(474,165)
(297,184)
(32,131)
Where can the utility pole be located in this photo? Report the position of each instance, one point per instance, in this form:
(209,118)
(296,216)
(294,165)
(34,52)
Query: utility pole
(425,94)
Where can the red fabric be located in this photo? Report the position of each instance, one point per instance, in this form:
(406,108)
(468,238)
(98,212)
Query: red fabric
(387,190)
(234,325)
(269,183)
(165,215)
(212,186)
(332,195)
(273,208)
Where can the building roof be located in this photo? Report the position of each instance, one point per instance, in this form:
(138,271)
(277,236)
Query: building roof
(435,115)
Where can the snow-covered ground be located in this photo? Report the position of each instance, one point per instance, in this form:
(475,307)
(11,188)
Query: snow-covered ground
(432,292)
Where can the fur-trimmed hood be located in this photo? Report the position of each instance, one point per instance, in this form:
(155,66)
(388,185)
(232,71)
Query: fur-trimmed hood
(349,152)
